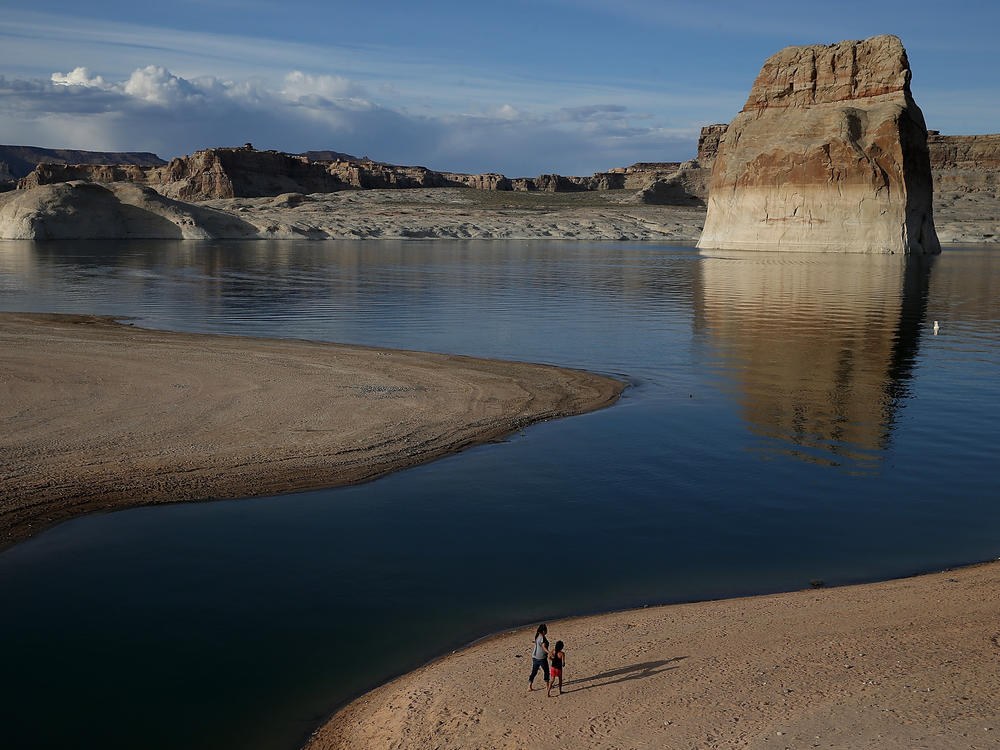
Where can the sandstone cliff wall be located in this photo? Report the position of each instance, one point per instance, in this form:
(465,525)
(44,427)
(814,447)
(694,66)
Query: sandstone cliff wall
(212,173)
(965,163)
(247,173)
(708,143)
(829,153)
(972,152)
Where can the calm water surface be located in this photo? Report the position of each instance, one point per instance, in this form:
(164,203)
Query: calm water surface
(791,417)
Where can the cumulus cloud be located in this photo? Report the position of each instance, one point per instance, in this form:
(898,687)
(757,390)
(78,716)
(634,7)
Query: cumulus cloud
(157,110)
(78,77)
(157,85)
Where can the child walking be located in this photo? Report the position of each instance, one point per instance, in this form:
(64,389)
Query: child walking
(558,662)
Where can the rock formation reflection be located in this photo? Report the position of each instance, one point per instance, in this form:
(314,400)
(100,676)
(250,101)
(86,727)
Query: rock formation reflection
(819,348)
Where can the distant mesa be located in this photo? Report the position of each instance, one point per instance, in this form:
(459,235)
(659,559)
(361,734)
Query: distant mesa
(829,153)
(245,172)
(969,163)
(330,156)
(18,161)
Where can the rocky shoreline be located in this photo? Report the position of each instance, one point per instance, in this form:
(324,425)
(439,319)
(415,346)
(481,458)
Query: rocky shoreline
(83,210)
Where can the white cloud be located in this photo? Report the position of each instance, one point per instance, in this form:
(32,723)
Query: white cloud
(157,85)
(413,76)
(507,112)
(299,85)
(154,109)
(78,77)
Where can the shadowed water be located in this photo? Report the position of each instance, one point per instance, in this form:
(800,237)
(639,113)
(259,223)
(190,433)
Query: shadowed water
(792,417)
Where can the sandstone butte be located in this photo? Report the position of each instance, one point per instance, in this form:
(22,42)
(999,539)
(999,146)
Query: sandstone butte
(828,154)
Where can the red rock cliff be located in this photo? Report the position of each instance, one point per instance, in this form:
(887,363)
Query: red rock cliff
(829,153)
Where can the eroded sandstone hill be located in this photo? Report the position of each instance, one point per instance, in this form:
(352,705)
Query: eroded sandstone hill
(829,153)
(245,172)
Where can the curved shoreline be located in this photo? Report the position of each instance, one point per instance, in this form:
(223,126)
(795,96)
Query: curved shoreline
(843,664)
(104,416)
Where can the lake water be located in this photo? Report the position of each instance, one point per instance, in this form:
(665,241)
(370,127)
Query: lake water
(791,417)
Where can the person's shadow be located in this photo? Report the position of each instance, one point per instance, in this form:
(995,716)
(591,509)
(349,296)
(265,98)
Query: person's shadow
(633,672)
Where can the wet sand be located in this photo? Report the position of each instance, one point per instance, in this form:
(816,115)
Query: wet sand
(99,415)
(909,663)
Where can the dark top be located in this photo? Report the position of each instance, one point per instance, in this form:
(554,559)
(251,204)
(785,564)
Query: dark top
(556,661)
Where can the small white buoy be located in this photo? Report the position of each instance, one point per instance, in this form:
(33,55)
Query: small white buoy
(936,327)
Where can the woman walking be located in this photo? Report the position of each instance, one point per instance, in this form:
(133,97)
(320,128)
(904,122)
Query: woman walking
(540,656)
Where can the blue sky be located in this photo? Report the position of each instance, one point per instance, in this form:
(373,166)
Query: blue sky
(570,86)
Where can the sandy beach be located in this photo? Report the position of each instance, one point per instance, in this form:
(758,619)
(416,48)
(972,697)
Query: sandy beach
(100,415)
(908,663)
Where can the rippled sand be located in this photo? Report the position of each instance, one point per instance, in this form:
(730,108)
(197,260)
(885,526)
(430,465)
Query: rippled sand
(904,664)
(99,415)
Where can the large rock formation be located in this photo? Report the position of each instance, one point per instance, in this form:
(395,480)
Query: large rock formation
(82,210)
(829,153)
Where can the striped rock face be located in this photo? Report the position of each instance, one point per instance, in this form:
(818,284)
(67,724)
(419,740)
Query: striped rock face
(829,154)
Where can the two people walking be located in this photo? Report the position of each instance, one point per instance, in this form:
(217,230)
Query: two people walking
(540,656)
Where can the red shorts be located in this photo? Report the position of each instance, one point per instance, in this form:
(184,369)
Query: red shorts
(556,672)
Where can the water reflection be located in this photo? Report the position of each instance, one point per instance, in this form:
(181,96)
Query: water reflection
(147,616)
(819,350)
(387,293)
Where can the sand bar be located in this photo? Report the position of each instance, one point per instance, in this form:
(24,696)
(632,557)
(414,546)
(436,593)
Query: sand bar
(99,415)
(909,663)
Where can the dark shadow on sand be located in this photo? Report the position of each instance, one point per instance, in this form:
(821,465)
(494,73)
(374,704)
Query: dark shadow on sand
(633,672)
